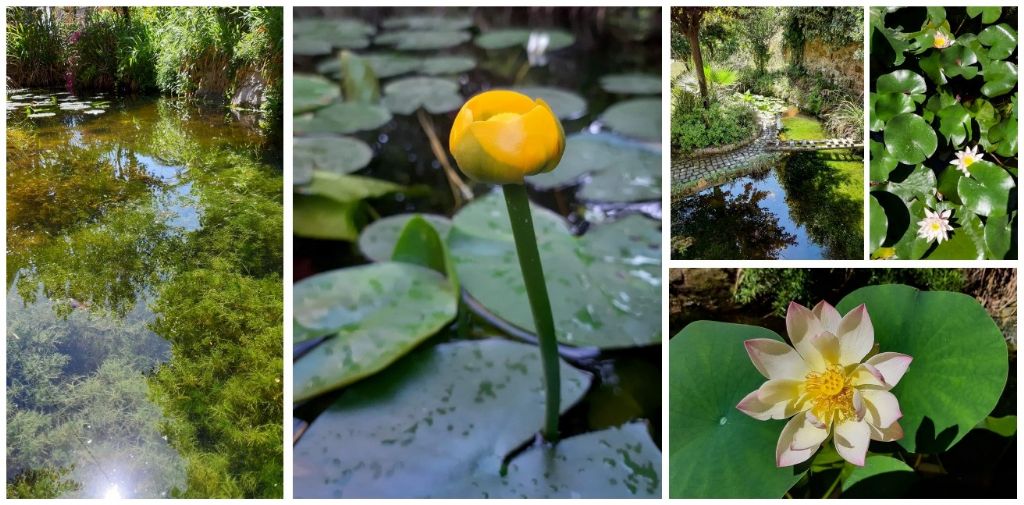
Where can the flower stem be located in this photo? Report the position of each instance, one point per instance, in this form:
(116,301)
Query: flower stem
(537,291)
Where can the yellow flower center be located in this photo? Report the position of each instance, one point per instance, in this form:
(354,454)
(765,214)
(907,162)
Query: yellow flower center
(968,160)
(940,40)
(831,394)
(936,226)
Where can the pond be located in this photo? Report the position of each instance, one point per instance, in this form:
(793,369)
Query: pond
(802,206)
(626,384)
(112,202)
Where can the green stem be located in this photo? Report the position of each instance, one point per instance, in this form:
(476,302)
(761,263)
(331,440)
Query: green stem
(537,291)
(833,486)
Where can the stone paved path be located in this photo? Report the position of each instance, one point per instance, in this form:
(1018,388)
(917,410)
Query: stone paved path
(692,174)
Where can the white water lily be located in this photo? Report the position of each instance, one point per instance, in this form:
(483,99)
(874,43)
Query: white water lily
(941,40)
(966,158)
(823,388)
(536,47)
(935,225)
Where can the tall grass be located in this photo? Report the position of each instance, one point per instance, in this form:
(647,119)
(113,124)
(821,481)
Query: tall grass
(35,53)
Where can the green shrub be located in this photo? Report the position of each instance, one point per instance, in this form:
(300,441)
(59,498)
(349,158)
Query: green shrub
(696,127)
(35,50)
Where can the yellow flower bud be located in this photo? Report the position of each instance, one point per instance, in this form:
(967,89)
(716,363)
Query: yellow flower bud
(500,137)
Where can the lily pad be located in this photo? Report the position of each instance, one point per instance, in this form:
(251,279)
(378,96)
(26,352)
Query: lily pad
(632,84)
(428,23)
(95,112)
(610,169)
(1001,39)
(605,286)
(390,65)
(342,118)
(512,37)
(374,314)
(331,206)
(447,65)
(709,373)
(987,191)
(436,96)
(440,422)
(311,47)
(422,40)
(42,114)
(910,139)
(338,33)
(639,118)
(311,92)
(1000,78)
(879,224)
(340,155)
(960,360)
(377,241)
(565,104)
(904,82)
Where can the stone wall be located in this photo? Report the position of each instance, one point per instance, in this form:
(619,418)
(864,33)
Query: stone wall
(844,66)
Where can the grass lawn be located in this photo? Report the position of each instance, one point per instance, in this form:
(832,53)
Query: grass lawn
(801,127)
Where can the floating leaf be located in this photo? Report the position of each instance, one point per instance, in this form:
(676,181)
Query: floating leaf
(954,124)
(615,170)
(959,60)
(987,191)
(632,84)
(343,118)
(604,286)
(374,314)
(989,15)
(879,224)
(330,206)
(1000,78)
(447,65)
(565,104)
(968,240)
(941,397)
(904,82)
(998,237)
(422,40)
(338,33)
(439,424)
(910,139)
(880,477)
(442,23)
(377,241)
(436,96)
(341,155)
(503,39)
(1001,38)
(888,106)
(882,163)
(709,373)
(640,118)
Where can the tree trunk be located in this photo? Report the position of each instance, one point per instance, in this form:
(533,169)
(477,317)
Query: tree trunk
(692,33)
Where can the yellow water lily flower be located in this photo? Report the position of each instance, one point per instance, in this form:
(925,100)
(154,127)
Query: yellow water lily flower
(823,388)
(941,40)
(500,137)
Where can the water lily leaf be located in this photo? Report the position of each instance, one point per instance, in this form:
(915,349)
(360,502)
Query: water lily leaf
(357,79)
(639,118)
(374,314)
(604,286)
(1001,38)
(342,155)
(342,118)
(388,65)
(998,237)
(989,15)
(616,170)
(967,241)
(1000,78)
(330,205)
(959,60)
(919,183)
(447,65)
(954,124)
(890,105)
(911,246)
(897,40)
(931,65)
(948,180)
(1003,426)
(632,84)
(880,477)
(422,40)
(879,224)
(440,422)
(505,38)
(311,47)
(338,33)
(882,163)
(903,82)
(943,395)
(709,373)
(435,95)
(42,114)
(565,104)
(987,191)
(377,241)
(442,23)
(1005,135)
(910,139)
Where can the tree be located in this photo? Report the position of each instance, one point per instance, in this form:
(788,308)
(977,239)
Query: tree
(689,19)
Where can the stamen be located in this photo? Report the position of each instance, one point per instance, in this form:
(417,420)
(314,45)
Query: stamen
(831,395)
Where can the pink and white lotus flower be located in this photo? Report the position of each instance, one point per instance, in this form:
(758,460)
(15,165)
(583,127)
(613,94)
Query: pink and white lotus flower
(822,386)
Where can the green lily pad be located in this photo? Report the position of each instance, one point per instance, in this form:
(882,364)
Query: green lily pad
(989,15)
(439,423)
(512,37)
(960,360)
(987,191)
(882,163)
(709,373)
(447,65)
(604,286)
(331,205)
(436,96)
(639,118)
(910,139)
(311,47)
(565,104)
(955,124)
(904,82)
(422,40)
(338,33)
(1001,40)
(616,170)
(1000,78)
(998,237)
(442,23)
(880,477)
(1002,426)
(377,241)
(959,60)
(374,314)
(342,155)
(632,84)
(889,105)
(390,65)
(342,118)
(879,224)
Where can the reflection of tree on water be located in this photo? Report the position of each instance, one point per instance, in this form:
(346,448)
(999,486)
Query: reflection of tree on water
(729,226)
(831,219)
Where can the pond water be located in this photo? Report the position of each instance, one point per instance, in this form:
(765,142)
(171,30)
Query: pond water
(628,381)
(107,198)
(802,206)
